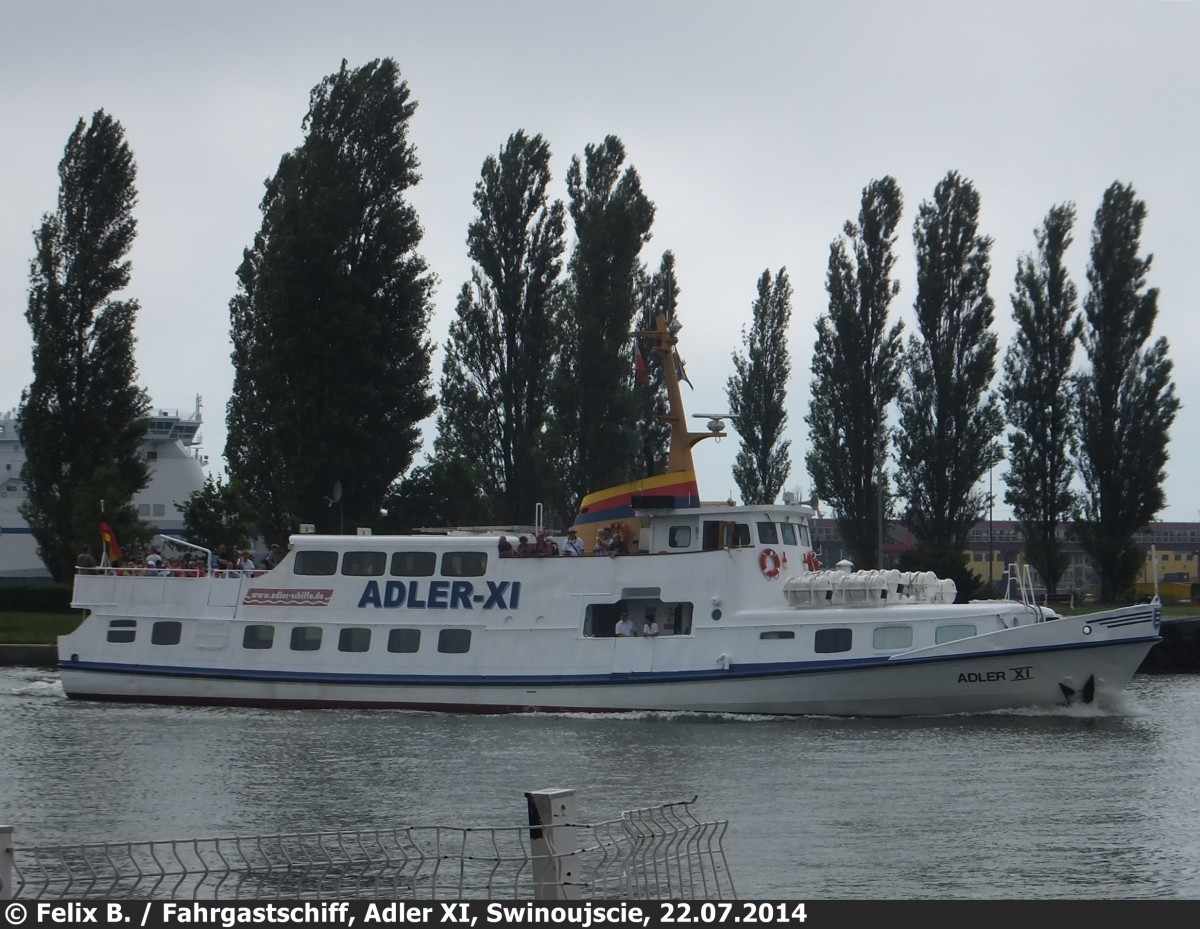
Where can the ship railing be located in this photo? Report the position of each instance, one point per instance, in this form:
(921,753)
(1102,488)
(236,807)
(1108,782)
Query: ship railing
(657,852)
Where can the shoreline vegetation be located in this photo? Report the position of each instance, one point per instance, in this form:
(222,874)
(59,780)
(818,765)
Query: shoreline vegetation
(33,628)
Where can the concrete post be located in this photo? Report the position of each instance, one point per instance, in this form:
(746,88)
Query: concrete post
(7,888)
(553,842)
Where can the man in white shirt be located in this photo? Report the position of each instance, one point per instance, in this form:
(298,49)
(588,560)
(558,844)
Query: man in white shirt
(624,626)
(650,629)
(573,547)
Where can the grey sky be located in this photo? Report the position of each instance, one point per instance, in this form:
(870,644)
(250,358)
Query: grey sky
(754,127)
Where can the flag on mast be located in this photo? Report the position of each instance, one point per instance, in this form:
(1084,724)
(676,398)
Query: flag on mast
(679,370)
(112,550)
(639,367)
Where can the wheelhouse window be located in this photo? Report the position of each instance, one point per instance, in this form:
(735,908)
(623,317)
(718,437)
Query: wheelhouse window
(464,564)
(122,630)
(306,638)
(315,563)
(888,638)
(788,531)
(258,637)
(354,639)
(413,564)
(364,564)
(680,537)
(953,633)
(404,640)
(454,641)
(166,632)
(829,641)
(768,534)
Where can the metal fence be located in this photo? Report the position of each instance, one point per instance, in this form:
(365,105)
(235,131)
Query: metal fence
(659,852)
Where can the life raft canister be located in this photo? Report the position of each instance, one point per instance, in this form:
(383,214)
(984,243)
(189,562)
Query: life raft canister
(811,561)
(768,563)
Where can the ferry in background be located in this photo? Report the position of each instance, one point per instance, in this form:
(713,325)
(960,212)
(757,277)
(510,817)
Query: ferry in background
(172,450)
(739,616)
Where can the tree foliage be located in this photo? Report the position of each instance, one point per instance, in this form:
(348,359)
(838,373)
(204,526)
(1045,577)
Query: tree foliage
(595,405)
(496,380)
(659,297)
(757,393)
(330,323)
(219,513)
(83,411)
(444,491)
(856,373)
(1037,396)
(949,421)
(1127,399)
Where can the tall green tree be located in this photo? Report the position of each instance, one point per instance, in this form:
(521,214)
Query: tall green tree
(757,393)
(83,412)
(1127,399)
(856,373)
(503,344)
(1038,399)
(595,404)
(219,513)
(949,420)
(331,353)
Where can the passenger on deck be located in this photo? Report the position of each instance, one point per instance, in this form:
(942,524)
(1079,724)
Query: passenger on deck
(506,549)
(542,548)
(625,626)
(524,549)
(601,546)
(650,629)
(573,547)
(86,562)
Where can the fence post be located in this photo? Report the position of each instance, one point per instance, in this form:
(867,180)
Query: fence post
(552,837)
(7,890)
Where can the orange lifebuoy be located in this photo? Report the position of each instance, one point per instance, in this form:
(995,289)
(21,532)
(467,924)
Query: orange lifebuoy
(768,563)
(812,562)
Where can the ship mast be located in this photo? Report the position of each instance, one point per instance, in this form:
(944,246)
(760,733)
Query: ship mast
(663,339)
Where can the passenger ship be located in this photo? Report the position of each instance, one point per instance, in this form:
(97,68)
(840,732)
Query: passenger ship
(749,622)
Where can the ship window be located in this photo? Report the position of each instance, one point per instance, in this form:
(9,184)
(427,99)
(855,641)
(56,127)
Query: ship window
(768,534)
(464,564)
(832,640)
(741,536)
(777,634)
(364,564)
(143,509)
(805,537)
(355,639)
(315,563)
(404,640)
(166,633)
(258,637)
(160,509)
(306,638)
(122,630)
(454,641)
(680,537)
(890,637)
(789,533)
(413,564)
(953,633)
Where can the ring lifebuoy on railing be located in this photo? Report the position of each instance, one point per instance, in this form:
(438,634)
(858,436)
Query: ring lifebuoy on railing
(811,561)
(769,563)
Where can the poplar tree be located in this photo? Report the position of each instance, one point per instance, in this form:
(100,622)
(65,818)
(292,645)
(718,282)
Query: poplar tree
(1127,399)
(856,373)
(503,343)
(595,405)
(331,353)
(82,419)
(757,393)
(659,296)
(1038,398)
(950,422)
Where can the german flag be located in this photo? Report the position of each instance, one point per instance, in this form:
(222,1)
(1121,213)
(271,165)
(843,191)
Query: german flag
(109,538)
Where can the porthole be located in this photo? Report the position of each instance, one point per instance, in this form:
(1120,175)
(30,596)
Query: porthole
(716,614)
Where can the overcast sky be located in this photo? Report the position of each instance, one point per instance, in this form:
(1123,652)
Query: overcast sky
(754,127)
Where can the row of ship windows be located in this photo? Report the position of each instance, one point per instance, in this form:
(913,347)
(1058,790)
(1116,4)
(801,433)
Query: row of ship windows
(458,641)
(313,563)
(303,638)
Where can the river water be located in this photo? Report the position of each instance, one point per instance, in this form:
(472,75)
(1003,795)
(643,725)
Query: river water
(1073,804)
